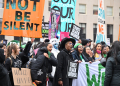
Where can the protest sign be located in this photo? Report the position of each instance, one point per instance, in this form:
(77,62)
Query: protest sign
(53,23)
(90,74)
(101,30)
(75,31)
(14,42)
(22,77)
(108,41)
(23,18)
(45,29)
(72,70)
(63,35)
(67,13)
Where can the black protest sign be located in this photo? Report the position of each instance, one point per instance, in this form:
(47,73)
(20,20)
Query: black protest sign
(75,31)
(45,29)
(72,71)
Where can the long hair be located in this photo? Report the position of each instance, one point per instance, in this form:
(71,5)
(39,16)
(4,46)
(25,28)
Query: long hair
(84,52)
(115,49)
(8,52)
(95,47)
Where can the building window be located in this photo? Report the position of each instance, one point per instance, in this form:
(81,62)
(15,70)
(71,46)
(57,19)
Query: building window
(82,9)
(94,31)
(83,29)
(109,11)
(1,3)
(49,6)
(119,11)
(110,32)
(1,36)
(95,9)
(18,38)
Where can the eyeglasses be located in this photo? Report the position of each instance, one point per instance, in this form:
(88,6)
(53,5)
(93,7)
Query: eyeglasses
(80,47)
(71,44)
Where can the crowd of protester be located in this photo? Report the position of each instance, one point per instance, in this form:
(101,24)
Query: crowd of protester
(41,63)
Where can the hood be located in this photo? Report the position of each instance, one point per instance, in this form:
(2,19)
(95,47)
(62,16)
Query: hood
(41,51)
(2,56)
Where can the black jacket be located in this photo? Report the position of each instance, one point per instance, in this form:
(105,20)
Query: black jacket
(43,65)
(61,71)
(112,71)
(76,56)
(19,62)
(4,77)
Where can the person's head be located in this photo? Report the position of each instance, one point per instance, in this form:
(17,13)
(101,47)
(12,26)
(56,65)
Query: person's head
(48,46)
(80,41)
(46,40)
(87,50)
(85,42)
(108,48)
(69,45)
(104,50)
(98,47)
(79,48)
(14,49)
(90,42)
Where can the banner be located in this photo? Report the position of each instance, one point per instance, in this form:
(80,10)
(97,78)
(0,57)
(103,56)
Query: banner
(75,32)
(63,35)
(101,30)
(53,23)
(45,29)
(22,77)
(90,74)
(67,13)
(23,18)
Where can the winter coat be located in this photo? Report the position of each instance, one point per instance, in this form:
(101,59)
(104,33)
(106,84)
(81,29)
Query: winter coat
(4,77)
(19,62)
(42,65)
(76,56)
(112,71)
(61,71)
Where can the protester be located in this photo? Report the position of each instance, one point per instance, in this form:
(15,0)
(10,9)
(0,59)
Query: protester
(89,42)
(60,78)
(97,52)
(112,70)
(16,59)
(43,64)
(107,48)
(88,54)
(85,42)
(4,77)
(78,53)
(104,51)
(3,46)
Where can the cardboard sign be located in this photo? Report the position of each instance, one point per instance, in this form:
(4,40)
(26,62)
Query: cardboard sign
(101,30)
(23,18)
(72,70)
(45,29)
(53,23)
(63,35)
(67,13)
(75,31)
(22,77)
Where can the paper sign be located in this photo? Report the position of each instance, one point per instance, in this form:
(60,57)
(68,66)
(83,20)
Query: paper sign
(63,35)
(75,31)
(23,18)
(22,77)
(53,23)
(108,41)
(45,29)
(101,30)
(72,70)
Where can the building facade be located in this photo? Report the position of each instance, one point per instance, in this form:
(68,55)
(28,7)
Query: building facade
(86,15)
